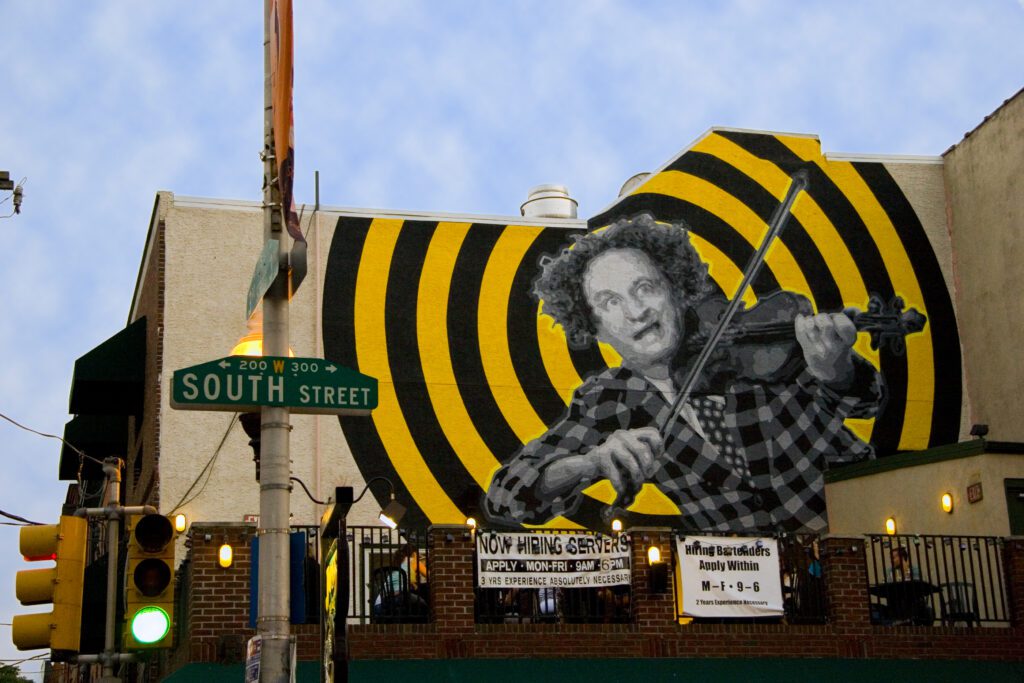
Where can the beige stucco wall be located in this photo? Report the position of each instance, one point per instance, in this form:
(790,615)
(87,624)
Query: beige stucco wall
(986,208)
(912,496)
(212,248)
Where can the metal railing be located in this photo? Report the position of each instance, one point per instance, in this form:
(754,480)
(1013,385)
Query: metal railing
(803,585)
(607,605)
(373,549)
(936,580)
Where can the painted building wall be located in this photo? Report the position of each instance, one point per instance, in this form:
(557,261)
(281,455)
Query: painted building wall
(440,310)
(986,210)
(912,497)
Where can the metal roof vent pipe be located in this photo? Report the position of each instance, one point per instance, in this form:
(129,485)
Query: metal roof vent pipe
(549,201)
(633,183)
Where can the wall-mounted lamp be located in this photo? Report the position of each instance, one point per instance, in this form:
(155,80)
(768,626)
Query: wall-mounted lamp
(657,574)
(180,522)
(225,556)
(471,522)
(947,502)
(392,513)
(616,525)
(890,526)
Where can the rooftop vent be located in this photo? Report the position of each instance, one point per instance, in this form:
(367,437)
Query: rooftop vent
(549,201)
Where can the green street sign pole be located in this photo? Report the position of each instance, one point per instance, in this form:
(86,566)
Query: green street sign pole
(267,269)
(303,385)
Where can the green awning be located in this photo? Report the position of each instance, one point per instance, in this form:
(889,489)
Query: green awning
(110,379)
(107,386)
(99,436)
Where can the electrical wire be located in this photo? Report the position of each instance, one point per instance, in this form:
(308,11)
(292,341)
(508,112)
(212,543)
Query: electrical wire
(52,436)
(207,469)
(16,518)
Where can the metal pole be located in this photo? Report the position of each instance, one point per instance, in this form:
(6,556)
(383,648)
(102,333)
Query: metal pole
(274,588)
(112,468)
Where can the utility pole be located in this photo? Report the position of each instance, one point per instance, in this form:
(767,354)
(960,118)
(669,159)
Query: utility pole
(275,468)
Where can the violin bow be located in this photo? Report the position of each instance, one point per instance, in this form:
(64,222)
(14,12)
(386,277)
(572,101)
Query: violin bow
(798,183)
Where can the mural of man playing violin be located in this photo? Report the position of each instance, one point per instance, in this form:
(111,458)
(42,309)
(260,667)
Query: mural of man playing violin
(743,454)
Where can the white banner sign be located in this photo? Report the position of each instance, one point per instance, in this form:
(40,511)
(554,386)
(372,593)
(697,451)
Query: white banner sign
(730,577)
(538,560)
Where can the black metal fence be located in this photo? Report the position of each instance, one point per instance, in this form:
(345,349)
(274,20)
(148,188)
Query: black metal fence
(387,575)
(607,604)
(912,580)
(937,580)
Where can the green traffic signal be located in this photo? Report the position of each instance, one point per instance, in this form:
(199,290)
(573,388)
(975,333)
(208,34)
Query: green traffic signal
(150,625)
(149,583)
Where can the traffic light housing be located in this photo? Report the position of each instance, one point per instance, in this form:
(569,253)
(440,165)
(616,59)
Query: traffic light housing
(149,583)
(59,629)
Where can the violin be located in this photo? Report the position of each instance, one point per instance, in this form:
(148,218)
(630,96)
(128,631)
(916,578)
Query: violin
(759,344)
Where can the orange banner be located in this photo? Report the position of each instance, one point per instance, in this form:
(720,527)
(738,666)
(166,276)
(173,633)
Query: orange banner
(281,76)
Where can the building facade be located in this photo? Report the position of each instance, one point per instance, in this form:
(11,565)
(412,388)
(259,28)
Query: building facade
(483,383)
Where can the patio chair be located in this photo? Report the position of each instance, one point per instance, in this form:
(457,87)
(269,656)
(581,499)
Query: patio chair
(959,603)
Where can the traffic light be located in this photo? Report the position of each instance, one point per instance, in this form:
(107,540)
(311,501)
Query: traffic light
(149,583)
(59,629)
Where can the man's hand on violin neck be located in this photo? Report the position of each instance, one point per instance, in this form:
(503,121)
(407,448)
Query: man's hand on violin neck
(827,341)
(627,458)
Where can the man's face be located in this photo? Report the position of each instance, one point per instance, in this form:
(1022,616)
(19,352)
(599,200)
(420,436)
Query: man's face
(633,308)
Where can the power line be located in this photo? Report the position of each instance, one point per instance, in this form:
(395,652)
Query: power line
(16,518)
(207,469)
(52,436)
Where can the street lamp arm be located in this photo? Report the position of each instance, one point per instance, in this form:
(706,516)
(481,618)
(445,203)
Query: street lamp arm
(367,488)
(306,489)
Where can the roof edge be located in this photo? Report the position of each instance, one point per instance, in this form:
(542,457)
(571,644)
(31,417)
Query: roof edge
(898,461)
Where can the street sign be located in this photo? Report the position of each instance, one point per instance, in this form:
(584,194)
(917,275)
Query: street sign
(305,385)
(266,270)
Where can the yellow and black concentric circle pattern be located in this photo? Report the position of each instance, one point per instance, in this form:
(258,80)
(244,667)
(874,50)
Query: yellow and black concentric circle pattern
(441,313)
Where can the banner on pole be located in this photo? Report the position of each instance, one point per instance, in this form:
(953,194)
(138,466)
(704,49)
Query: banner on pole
(281,78)
(730,577)
(556,559)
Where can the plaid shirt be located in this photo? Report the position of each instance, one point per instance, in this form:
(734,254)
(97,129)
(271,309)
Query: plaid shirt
(783,437)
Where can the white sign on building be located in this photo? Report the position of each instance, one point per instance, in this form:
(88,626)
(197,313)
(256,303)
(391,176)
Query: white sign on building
(730,577)
(541,560)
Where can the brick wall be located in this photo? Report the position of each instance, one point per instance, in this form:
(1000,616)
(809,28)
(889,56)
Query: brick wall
(140,476)
(218,599)
(215,625)
(656,633)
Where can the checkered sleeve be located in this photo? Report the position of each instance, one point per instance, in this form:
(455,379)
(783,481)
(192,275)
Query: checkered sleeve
(516,495)
(818,426)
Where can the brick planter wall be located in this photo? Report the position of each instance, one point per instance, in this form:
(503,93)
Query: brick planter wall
(215,625)
(655,632)
(218,604)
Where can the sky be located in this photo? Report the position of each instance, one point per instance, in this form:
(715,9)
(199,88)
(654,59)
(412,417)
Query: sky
(447,105)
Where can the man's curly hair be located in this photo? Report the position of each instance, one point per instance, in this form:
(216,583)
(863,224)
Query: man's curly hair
(560,283)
